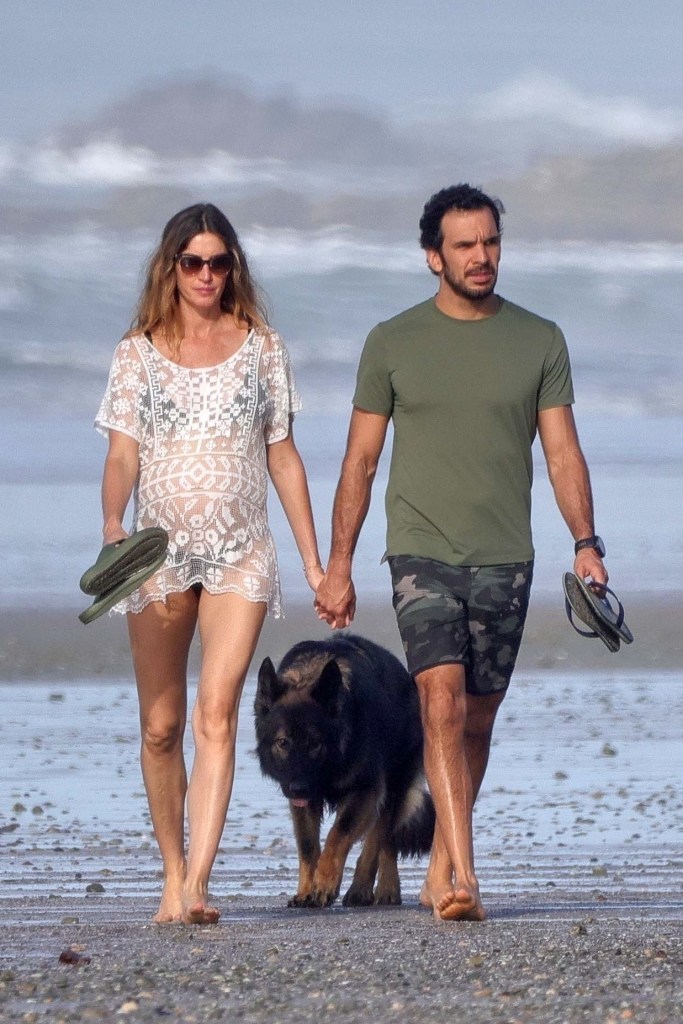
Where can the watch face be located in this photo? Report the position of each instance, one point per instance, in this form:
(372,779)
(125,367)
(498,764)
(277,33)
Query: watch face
(600,546)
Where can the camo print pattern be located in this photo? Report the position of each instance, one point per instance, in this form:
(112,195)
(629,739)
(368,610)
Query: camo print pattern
(469,615)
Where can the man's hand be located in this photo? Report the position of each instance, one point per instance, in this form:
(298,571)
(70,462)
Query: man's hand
(335,599)
(589,563)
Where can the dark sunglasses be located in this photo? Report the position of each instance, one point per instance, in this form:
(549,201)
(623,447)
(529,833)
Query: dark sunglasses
(191,264)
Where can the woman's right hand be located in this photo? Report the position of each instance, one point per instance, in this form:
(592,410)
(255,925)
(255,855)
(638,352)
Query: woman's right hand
(113,534)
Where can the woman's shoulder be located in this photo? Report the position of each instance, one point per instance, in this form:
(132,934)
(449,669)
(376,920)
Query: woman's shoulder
(133,345)
(269,340)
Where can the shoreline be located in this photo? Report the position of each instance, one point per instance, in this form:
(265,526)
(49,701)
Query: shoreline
(50,643)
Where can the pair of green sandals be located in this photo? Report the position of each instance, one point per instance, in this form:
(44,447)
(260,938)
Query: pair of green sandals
(121,568)
(124,566)
(590,603)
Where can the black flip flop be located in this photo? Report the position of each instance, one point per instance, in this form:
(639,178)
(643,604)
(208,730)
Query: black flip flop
(595,610)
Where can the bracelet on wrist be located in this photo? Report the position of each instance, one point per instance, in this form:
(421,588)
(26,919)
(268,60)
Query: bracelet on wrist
(313,565)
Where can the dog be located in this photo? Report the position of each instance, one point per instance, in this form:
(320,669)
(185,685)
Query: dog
(338,727)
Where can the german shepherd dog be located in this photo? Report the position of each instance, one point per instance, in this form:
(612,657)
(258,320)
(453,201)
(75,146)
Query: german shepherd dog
(338,727)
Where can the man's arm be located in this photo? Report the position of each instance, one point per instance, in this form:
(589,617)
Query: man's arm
(571,484)
(336,597)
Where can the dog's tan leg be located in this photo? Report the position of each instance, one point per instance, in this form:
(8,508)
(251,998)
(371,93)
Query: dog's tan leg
(388,891)
(307,822)
(359,893)
(354,817)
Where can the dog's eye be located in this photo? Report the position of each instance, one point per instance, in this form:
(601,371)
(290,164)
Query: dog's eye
(314,749)
(283,744)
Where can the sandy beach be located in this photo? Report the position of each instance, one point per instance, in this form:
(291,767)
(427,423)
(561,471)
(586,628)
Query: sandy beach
(577,831)
(40,643)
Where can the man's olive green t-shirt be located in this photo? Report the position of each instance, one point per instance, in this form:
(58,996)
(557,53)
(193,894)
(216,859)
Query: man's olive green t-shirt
(464,396)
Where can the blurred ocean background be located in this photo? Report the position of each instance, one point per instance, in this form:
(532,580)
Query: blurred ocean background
(320,134)
(65,299)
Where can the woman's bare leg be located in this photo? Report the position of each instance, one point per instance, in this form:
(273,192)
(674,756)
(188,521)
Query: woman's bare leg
(229,627)
(160,638)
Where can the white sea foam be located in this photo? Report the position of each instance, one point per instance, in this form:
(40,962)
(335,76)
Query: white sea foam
(533,97)
(103,163)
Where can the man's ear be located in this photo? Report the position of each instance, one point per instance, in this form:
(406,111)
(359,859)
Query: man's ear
(434,261)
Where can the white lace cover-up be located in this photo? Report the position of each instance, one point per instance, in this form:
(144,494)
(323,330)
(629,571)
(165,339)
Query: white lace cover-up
(203,478)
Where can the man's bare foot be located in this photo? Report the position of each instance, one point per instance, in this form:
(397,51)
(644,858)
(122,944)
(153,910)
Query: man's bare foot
(459,905)
(435,888)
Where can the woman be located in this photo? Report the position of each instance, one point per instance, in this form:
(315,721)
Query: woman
(198,410)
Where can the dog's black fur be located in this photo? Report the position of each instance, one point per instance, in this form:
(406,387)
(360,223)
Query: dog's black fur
(338,727)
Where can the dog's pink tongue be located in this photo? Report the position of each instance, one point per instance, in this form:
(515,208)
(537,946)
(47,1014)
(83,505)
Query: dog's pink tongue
(299,803)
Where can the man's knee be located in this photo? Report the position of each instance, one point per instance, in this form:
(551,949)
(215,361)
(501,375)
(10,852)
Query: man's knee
(481,715)
(443,701)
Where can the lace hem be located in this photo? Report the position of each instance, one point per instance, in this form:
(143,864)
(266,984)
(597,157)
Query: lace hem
(158,588)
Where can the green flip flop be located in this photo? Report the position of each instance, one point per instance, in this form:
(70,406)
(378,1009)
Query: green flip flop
(595,610)
(117,563)
(105,601)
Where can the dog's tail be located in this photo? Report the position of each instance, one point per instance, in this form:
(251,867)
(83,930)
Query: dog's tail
(414,830)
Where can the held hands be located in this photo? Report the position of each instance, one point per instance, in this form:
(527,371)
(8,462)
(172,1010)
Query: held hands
(335,599)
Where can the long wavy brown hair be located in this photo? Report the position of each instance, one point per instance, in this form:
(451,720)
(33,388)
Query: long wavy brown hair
(158,308)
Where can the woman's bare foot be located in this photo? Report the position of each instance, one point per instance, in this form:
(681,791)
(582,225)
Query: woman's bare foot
(198,910)
(171,907)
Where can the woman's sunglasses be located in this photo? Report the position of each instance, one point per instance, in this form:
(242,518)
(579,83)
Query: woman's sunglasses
(191,264)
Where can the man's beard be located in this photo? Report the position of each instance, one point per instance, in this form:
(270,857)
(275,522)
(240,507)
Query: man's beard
(474,295)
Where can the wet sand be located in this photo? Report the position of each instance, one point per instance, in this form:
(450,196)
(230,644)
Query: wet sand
(578,852)
(37,643)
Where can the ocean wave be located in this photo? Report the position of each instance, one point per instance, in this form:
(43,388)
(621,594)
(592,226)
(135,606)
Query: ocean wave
(102,256)
(104,163)
(536,98)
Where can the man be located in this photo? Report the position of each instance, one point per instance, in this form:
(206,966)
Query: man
(468,379)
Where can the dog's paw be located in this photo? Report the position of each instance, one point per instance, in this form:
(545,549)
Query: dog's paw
(300,899)
(322,897)
(387,898)
(312,900)
(358,896)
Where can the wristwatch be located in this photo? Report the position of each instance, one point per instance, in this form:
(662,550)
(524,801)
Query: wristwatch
(591,542)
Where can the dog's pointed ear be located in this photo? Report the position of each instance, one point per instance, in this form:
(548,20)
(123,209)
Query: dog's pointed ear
(268,688)
(327,687)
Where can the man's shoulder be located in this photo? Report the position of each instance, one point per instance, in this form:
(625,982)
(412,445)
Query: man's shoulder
(406,320)
(525,318)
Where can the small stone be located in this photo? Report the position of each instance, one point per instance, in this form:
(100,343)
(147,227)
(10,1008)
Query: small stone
(130,1006)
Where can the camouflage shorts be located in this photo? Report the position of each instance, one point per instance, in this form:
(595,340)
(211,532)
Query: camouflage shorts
(469,615)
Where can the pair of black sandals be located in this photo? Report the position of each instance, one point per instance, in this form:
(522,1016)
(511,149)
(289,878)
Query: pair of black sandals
(598,608)
(121,568)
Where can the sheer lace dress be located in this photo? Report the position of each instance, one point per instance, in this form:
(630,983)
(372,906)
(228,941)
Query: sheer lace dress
(203,436)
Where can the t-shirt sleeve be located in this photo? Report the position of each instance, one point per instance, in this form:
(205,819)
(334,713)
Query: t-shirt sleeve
(374,392)
(122,407)
(556,383)
(283,399)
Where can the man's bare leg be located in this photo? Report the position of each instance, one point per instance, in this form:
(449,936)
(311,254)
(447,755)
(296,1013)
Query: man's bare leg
(229,628)
(458,729)
(160,638)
